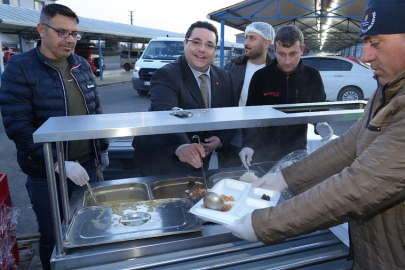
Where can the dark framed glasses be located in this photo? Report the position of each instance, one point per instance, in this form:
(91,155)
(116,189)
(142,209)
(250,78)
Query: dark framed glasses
(199,44)
(64,33)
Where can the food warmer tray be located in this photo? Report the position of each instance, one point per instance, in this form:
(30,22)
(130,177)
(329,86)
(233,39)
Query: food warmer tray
(129,221)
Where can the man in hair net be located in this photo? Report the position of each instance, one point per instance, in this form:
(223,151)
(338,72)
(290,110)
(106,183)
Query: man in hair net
(358,177)
(287,80)
(259,36)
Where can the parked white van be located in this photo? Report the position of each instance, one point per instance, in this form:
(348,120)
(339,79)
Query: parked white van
(164,50)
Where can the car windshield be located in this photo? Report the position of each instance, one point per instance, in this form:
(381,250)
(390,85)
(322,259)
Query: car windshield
(164,50)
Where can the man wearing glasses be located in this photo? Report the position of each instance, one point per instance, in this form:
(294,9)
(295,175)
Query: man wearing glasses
(191,82)
(44,82)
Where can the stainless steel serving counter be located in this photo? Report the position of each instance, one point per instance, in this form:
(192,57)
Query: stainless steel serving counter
(60,129)
(213,247)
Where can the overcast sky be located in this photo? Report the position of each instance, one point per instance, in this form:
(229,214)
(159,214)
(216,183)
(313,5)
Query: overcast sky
(169,15)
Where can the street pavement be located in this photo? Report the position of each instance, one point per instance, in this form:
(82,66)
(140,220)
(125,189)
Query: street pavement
(27,228)
(114,76)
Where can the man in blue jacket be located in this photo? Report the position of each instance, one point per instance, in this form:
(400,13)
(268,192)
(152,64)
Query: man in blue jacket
(51,81)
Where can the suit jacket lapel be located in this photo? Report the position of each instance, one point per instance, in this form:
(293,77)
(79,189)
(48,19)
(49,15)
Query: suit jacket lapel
(191,83)
(215,89)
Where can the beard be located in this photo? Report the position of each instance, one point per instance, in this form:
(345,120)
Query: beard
(254,54)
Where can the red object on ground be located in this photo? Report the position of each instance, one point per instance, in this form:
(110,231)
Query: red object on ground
(5,200)
(7,53)
(4,191)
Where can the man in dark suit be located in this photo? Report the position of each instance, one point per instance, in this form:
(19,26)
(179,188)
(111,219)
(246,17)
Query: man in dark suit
(192,82)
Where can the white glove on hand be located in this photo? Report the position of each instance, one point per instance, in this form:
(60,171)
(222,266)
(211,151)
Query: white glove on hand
(271,181)
(243,228)
(104,161)
(245,156)
(75,172)
(324,130)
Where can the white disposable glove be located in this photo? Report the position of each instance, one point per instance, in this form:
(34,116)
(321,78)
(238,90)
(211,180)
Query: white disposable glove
(271,181)
(324,130)
(104,161)
(75,172)
(243,228)
(246,155)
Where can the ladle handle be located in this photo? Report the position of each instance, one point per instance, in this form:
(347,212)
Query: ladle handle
(202,164)
(203,173)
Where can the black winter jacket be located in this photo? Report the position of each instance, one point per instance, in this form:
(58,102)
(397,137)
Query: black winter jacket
(272,86)
(32,91)
(237,68)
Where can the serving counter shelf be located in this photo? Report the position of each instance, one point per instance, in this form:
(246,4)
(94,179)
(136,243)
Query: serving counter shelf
(60,129)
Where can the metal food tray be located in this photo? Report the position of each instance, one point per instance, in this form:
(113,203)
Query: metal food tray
(245,200)
(129,221)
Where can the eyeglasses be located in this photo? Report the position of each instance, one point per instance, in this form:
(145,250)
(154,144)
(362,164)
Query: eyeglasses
(64,33)
(197,43)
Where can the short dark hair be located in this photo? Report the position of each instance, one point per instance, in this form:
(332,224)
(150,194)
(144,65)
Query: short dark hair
(205,25)
(49,11)
(288,35)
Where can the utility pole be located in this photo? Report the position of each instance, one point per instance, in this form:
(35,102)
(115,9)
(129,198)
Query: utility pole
(132,17)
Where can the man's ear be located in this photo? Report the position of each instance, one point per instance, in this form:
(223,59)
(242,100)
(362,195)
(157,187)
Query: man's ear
(41,29)
(267,43)
(302,49)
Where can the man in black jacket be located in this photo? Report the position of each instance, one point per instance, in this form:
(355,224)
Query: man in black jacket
(180,84)
(51,81)
(285,81)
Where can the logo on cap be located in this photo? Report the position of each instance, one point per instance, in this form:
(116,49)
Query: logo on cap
(368,21)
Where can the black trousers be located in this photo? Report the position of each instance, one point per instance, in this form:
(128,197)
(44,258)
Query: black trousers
(229,157)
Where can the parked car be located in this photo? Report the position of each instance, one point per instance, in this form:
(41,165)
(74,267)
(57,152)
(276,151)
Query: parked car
(128,57)
(344,78)
(89,52)
(7,53)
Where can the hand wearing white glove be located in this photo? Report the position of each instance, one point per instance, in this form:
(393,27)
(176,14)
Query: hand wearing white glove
(104,161)
(243,228)
(324,130)
(245,156)
(271,181)
(75,172)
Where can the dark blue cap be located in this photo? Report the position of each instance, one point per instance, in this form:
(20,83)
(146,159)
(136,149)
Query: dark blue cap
(383,17)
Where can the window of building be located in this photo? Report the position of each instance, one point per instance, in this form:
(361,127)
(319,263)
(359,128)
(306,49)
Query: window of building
(39,5)
(11,2)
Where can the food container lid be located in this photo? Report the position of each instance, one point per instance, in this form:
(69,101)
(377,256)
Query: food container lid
(246,199)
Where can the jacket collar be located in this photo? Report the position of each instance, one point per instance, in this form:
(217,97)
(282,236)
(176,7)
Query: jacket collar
(298,68)
(73,61)
(191,82)
(394,87)
(242,60)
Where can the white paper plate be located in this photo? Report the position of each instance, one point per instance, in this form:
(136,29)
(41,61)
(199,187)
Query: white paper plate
(247,199)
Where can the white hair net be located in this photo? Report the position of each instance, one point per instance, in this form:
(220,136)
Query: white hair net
(262,28)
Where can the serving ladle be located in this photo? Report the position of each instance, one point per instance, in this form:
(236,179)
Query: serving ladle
(211,200)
